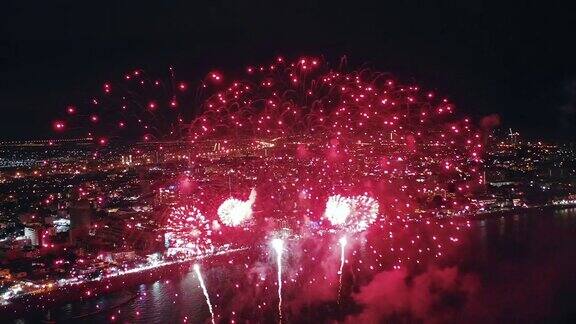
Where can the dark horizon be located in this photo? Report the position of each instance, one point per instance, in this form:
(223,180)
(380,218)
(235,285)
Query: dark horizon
(514,60)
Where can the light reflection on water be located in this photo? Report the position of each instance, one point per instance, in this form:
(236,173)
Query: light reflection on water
(524,238)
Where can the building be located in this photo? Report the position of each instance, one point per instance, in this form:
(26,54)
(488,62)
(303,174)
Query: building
(34,235)
(80,220)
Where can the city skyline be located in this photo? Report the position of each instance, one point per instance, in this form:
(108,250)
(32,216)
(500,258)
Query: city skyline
(237,162)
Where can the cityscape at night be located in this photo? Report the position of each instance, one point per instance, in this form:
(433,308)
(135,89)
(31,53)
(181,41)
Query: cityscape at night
(250,163)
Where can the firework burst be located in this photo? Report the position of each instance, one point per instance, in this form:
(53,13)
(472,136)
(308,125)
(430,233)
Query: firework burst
(188,231)
(354,214)
(329,150)
(234,212)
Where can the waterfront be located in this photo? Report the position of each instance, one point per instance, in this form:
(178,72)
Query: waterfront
(323,162)
(515,268)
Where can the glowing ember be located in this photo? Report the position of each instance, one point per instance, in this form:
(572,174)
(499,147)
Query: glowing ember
(315,129)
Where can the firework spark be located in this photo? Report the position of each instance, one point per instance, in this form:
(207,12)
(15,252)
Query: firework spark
(352,213)
(342,242)
(204,290)
(278,246)
(188,231)
(138,106)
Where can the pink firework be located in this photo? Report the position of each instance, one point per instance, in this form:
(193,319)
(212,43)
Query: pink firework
(319,131)
(188,232)
(138,106)
(311,137)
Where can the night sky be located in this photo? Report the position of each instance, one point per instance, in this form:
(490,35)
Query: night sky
(517,60)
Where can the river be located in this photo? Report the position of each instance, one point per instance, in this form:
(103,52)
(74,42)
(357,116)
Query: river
(516,268)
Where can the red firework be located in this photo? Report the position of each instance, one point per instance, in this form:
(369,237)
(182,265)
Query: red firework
(301,132)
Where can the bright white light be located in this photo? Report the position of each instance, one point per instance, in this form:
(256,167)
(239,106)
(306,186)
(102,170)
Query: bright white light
(234,212)
(354,213)
(204,290)
(343,241)
(337,210)
(278,245)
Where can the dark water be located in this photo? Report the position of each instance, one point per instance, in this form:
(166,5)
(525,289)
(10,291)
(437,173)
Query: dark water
(519,268)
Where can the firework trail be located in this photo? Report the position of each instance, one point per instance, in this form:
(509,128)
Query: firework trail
(278,246)
(204,290)
(342,242)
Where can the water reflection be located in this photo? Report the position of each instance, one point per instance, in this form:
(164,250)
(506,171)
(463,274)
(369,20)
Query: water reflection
(511,256)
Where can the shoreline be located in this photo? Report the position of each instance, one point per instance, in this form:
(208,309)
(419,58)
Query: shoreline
(516,210)
(44,301)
